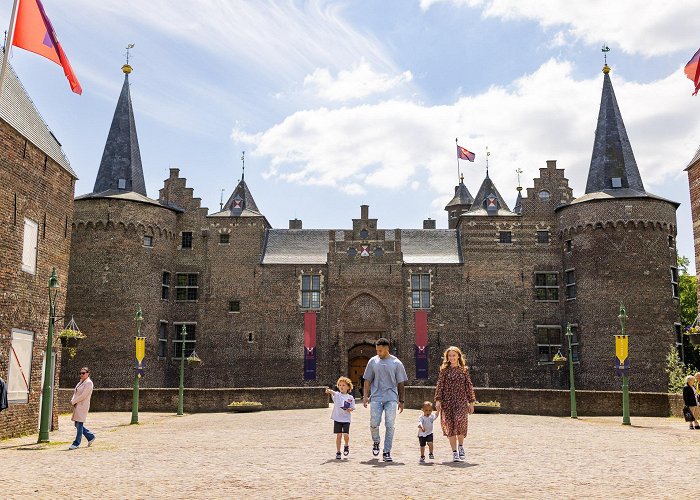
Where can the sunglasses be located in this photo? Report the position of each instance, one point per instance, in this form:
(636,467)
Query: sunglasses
(83,373)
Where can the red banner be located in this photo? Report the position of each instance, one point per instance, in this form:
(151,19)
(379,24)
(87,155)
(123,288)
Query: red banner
(421,328)
(309,329)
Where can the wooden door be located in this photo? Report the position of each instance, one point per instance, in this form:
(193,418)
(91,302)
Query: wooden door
(357,369)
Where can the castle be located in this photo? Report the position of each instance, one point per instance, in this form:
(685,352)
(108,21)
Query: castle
(286,307)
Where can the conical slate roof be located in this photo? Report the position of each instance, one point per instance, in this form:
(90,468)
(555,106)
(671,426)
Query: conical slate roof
(488,201)
(120,168)
(612,164)
(518,209)
(462,196)
(694,160)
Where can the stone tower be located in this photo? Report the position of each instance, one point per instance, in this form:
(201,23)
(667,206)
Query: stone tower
(618,246)
(460,204)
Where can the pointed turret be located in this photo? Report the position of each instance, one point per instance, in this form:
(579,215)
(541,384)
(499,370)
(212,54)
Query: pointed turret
(120,168)
(241,202)
(518,209)
(612,164)
(488,201)
(461,203)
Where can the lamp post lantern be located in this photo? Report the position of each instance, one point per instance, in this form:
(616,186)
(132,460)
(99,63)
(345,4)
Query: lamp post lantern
(572,390)
(181,393)
(621,350)
(140,344)
(46,403)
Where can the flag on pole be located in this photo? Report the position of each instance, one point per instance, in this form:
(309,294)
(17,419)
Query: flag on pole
(692,70)
(34,32)
(465,154)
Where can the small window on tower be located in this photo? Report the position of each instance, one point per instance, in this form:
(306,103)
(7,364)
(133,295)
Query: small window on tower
(544,195)
(505,237)
(148,241)
(234,306)
(224,238)
(671,242)
(616,182)
(122,183)
(542,236)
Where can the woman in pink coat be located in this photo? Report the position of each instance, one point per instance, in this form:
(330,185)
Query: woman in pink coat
(81,406)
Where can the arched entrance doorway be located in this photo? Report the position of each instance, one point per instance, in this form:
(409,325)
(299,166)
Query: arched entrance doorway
(358,357)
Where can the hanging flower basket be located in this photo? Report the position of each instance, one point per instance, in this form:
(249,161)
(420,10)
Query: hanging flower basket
(693,333)
(193,359)
(245,406)
(70,337)
(559,360)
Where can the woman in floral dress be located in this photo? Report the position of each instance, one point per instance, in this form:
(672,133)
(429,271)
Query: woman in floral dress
(454,396)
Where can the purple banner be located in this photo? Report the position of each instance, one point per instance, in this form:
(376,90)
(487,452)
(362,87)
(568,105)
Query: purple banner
(421,362)
(309,363)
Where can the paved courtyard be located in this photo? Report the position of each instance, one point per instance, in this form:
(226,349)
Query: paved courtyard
(291,454)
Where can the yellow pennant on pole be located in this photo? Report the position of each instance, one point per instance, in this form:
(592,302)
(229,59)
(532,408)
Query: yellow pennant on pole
(621,347)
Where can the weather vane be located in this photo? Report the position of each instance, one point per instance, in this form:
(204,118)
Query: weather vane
(243,162)
(221,201)
(605,51)
(488,153)
(518,171)
(128,48)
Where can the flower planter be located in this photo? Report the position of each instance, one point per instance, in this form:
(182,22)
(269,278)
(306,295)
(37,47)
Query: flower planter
(193,361)
(559,363)
(69,342)
(245,407)
(694,338)
(487,408)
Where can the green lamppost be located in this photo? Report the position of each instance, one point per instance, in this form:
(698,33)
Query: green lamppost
(572,390)
(140,343)
(45,422)
(181,394)
(621,350)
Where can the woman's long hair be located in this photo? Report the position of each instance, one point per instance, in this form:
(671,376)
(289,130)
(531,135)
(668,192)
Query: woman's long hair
(460,358)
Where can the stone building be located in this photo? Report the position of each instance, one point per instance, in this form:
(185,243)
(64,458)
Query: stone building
(285,307)
(36,209)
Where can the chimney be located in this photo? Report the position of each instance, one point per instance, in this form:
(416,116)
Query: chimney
(364,212)
(295,223)
(429,223)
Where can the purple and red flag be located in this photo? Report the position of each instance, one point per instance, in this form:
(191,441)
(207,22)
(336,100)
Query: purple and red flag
(421,352)
(692,70)
(34,32)
(465,154)
(310,345)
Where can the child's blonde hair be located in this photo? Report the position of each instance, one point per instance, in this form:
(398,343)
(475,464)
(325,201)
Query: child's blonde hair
(426,403)
(346,380)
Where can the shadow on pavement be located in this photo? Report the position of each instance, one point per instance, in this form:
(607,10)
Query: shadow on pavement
(458,465)
(375,462)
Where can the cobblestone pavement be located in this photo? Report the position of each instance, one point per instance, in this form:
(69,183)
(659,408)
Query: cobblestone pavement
(291,454)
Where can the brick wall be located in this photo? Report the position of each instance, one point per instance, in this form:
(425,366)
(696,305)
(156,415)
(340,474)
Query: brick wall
(35,187)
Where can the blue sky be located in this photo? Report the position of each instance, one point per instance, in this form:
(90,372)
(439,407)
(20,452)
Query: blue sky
(339,104)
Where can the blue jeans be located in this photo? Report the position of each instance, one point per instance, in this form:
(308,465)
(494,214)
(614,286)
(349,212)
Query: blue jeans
(82,431)
(375,418)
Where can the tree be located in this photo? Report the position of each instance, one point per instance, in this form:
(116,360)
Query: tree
(687,284)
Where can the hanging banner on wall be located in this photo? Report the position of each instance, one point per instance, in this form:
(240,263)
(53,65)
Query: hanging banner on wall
(421,344)
(309,346)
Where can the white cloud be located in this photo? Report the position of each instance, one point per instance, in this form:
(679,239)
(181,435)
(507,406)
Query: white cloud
(361,81)
(651,28)
(541,116)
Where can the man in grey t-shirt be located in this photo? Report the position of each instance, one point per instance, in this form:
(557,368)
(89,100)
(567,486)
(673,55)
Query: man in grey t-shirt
(385,377)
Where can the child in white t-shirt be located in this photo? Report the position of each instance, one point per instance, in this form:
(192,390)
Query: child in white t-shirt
(343,406)
(425,430)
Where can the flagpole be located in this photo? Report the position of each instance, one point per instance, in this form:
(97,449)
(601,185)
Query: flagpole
(8,44)
(458,176)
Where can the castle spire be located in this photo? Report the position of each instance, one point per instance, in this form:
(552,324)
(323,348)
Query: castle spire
(241,199)
(612,164)
(120,168)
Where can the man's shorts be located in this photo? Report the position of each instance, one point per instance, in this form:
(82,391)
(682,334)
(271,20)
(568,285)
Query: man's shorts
(341,427)
(425,439)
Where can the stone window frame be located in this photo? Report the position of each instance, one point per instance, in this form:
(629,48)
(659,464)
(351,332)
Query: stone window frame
(30,246)
(671,241)
(568,245)
(307,289)
(21,362)
(162,339)
(234,306)
(165,285)
(505,237)
(184,239)
(675,289)
(570,292)
(420,289)
(546,286)
(224,238)
(190,340)
(542,236)
(187,287)
(552,348)
(147,241)
(678,337)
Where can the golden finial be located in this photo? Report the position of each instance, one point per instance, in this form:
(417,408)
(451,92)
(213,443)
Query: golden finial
(126,68)
(461,178)
(606,69)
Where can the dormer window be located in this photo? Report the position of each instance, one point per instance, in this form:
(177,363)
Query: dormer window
(616,182)
(364,234)
(121,183)
(544,195)
(491,203)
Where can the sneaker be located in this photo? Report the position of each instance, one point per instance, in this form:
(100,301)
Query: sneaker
(346,450)
(460,450)
(338,456)
(91,441)
(72,447)
(455,457)
(375,449)
(422,460)
(431,456)
(386,456)
(691,428)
